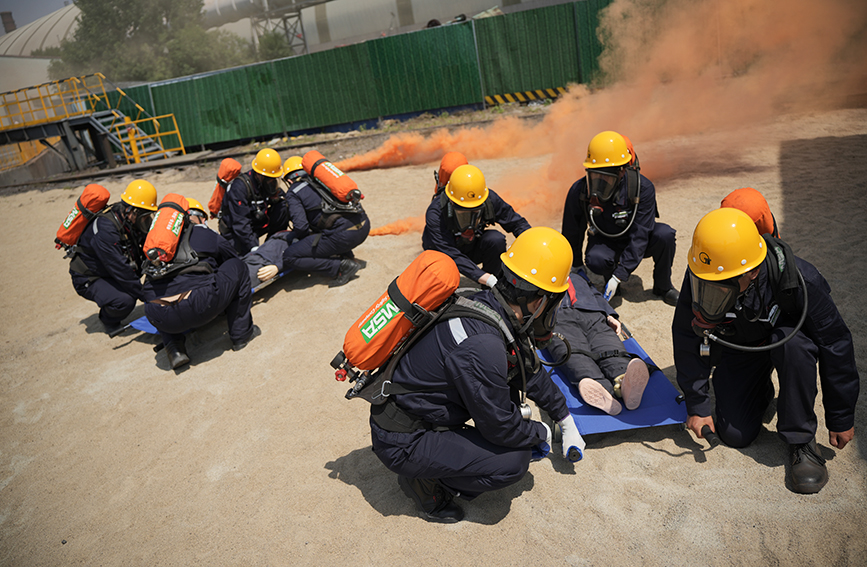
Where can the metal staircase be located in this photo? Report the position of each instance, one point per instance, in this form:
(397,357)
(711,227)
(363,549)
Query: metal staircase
(114,124)
(89,121)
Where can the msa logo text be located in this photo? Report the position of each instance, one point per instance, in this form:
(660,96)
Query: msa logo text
(176,223)
(72,214)
(379,320)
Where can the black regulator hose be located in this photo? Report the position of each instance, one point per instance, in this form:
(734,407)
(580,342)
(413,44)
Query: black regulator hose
(781,342)
(568,351)
(619,234)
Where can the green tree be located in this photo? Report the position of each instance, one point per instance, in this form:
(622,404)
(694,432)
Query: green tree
(274,45)
(146,40)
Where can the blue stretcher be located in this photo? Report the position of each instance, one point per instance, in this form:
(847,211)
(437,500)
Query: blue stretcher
(142,324)
(659,405)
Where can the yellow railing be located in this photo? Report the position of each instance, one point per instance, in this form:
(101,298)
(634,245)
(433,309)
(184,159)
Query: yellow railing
(49,102)
(135,133)
(77,96)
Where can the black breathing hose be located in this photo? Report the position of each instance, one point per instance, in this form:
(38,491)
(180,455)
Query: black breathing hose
(781,342)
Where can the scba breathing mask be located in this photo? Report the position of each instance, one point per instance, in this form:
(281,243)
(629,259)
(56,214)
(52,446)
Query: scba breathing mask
(541,321)
(466,221)
(712,301)
(602,183)
(142,218)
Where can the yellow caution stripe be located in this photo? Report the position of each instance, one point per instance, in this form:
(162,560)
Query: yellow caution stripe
(524,96)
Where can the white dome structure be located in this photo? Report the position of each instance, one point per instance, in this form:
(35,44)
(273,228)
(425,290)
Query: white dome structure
(328,22)
(47,31)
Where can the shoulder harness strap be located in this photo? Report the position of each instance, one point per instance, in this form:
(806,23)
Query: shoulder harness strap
(381,386)
(782,273)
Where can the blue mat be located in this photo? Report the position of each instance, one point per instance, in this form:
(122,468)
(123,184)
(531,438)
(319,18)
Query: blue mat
(142,324)
(658,405)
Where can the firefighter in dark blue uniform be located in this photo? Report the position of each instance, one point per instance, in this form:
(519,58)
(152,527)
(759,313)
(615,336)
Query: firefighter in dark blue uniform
(599,366)
(253,205)
(106,267)
(623,223)
(183,300)
(325,239)
(735,314)
(456,220)
(462,368)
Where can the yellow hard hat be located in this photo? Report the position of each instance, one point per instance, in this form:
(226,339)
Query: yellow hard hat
(725,244)
(268,163)
(195,204)
(607,149)
(467,187)
(292,164)
(141,194)
(541,256)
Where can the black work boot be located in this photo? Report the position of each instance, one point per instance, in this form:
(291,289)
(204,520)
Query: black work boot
(254,332)
(344,274)
(807,474)
(177,353)
(669,296)
(434,502)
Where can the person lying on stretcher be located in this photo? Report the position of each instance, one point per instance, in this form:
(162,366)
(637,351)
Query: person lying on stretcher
(607,377)
(263,262)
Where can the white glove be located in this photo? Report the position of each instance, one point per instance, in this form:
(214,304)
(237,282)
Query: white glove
(253,249)
(573,443)
(266,272)
(611,288)
(491,281)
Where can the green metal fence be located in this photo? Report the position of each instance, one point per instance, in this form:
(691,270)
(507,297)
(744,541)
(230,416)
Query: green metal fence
(424,70)
(325,88)
(541,51)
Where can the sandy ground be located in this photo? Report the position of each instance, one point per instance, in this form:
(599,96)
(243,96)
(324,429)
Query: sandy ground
(255,458)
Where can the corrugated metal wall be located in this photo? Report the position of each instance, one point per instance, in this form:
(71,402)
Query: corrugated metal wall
(530,50)
(443,67)
(589,48)
(425,70)
(325,88)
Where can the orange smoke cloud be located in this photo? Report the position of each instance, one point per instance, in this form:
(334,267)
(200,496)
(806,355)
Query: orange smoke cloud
(415,224)
(669,68)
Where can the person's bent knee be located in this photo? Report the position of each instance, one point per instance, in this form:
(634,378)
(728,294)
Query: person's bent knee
(734,437)
(599,263)
(665,233)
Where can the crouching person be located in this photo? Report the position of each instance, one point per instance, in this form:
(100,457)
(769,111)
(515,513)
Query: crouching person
(192,277)
(462,369)
(327,231)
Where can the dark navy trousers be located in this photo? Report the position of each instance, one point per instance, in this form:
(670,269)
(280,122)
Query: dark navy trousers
(588,331)
(314,253)
(227,291)
(114,303)
(603,254)
(462,460)
(486,250)
(743,388)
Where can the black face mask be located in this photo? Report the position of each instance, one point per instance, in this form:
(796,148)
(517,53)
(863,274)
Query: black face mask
(712,301)
(141,222)
(544,322)
(541,321)
(602,184)
(467,219)
(268,186)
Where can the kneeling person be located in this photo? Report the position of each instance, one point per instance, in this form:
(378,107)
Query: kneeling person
(462,369)
(106,267)
(456,223)
(325,239)
(204,279)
